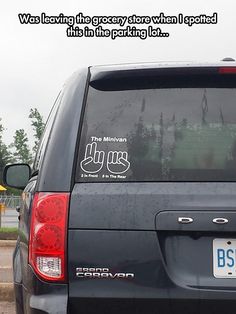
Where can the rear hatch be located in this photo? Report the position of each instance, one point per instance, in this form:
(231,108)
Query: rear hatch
(152,212)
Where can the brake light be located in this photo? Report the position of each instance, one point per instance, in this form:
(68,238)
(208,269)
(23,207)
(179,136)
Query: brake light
(47,245)
(227,70)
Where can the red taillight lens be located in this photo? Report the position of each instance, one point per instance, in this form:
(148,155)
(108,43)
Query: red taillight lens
(227,70)
(47,246)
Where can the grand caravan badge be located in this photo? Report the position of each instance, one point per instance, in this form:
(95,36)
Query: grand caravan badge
(101,273)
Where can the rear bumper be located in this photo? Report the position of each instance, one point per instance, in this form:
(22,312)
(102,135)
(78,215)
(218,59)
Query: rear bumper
(150,306)
(43,298)
(46,303)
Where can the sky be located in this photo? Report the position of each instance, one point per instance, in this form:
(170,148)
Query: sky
(36,59)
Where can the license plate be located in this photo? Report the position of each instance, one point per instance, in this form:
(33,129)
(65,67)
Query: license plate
(224,258)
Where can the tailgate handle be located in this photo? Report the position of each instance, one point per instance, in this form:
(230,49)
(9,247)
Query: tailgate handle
(185,220)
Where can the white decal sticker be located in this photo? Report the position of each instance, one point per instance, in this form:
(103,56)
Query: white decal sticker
(93,159)
(109,139)
(117,162)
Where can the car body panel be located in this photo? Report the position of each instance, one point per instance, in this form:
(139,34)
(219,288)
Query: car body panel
(153,263)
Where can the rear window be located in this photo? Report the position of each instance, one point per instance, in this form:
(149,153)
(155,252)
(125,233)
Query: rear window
(170,133)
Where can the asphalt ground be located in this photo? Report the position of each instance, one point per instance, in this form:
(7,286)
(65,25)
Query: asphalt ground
(7,305)
(6,264)
(7,308)
(9,218)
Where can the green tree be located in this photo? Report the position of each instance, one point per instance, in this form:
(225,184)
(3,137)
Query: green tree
(21,147)
(5,155)
(38,126)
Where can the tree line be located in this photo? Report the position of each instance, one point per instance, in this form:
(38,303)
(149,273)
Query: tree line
(19,150)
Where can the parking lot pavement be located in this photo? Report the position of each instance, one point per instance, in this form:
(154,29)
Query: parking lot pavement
(6,277)
(6,264)
(6,256)
(9,218)
(7,308)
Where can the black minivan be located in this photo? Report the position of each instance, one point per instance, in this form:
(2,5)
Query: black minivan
(130,206)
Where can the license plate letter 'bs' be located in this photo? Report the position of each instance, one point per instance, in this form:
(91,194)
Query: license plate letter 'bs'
(224,258)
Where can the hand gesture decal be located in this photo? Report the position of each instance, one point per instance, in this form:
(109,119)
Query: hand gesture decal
(117,162)
(93,159)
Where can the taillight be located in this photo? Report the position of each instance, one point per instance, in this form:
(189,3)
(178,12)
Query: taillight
(47,245)
(227,70)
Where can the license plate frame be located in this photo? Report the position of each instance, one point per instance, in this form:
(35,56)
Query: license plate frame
(224,258)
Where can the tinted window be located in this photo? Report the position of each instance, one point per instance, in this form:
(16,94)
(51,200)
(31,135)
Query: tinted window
(44,139)
(159,134)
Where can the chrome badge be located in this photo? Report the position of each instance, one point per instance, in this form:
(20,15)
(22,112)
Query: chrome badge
(185,220)
(100,273)
(220,221)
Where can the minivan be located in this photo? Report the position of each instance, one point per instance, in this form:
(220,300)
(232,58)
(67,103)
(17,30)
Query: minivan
(130,205)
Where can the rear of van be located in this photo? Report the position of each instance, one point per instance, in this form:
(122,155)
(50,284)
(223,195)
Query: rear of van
(132,204)
(153,210)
